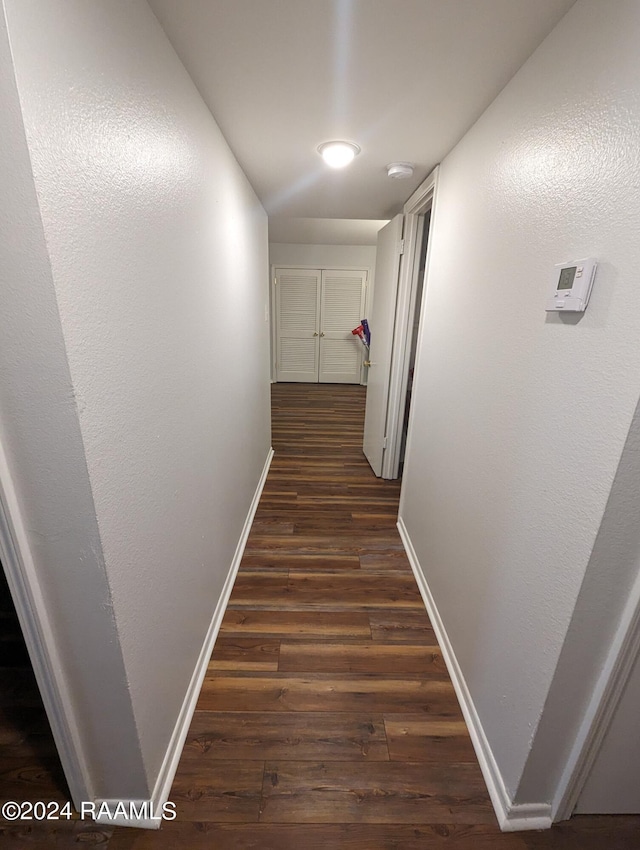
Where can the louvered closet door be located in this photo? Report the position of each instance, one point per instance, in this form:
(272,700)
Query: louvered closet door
(341,353)
(298,313)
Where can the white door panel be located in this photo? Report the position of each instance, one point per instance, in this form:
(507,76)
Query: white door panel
(381,324)
(340,362)
(341,309)
(297,356)
(298,334)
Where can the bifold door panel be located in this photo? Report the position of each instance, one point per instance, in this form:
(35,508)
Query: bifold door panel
(316,310)
(298,329)
(341,309)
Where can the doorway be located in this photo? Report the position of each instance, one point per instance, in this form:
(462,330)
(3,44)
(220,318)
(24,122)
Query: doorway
(415,326)
(402,261)
(315,312)
(26,742)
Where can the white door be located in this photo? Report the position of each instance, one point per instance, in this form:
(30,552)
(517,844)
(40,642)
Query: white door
(341,309)
(298,324)
(381,324)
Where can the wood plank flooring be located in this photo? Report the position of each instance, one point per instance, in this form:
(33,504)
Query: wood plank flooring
(327,718)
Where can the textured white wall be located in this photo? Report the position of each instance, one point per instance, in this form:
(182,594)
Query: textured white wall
(519,418)
(41,440)
(606,589)
(158,249)
(324,231)
(321,256)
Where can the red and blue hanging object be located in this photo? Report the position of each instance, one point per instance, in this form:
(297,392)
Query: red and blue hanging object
(363,332)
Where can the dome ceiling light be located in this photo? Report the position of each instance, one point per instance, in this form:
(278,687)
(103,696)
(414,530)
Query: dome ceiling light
(338,154)
(400,170)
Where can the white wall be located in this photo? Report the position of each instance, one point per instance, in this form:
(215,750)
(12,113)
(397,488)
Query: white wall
(158,255)
(324,231)
(41,439)
(519,418)
(606,590)
(322,256)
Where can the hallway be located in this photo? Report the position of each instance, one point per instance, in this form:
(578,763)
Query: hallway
(327,718)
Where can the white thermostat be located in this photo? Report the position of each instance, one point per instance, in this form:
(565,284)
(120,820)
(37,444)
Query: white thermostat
(572,284)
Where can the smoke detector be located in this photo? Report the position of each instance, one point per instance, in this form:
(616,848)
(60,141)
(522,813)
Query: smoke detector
(400,170)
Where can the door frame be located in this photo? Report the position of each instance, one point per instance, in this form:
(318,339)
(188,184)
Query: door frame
(415,207)
(46,661)
(621,657)
(321,268)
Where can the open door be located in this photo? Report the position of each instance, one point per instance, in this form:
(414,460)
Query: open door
(381,324)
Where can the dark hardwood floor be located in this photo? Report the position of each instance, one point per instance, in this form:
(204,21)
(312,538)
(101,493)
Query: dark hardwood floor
(327,718)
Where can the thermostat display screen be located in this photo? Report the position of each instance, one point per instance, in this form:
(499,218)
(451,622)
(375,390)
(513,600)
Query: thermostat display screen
(567,277)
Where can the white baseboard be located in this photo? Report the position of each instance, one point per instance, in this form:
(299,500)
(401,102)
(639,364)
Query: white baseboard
(521,816)
(511,816)
(169,766)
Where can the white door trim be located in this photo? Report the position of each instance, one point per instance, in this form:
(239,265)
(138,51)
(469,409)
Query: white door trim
(419,203)
(34,621)
(623,652)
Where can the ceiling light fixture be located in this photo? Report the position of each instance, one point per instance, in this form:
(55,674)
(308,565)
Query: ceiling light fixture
(338,154)
(400,170)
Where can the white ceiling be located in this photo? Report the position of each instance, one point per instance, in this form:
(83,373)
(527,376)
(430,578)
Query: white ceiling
(404,79)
